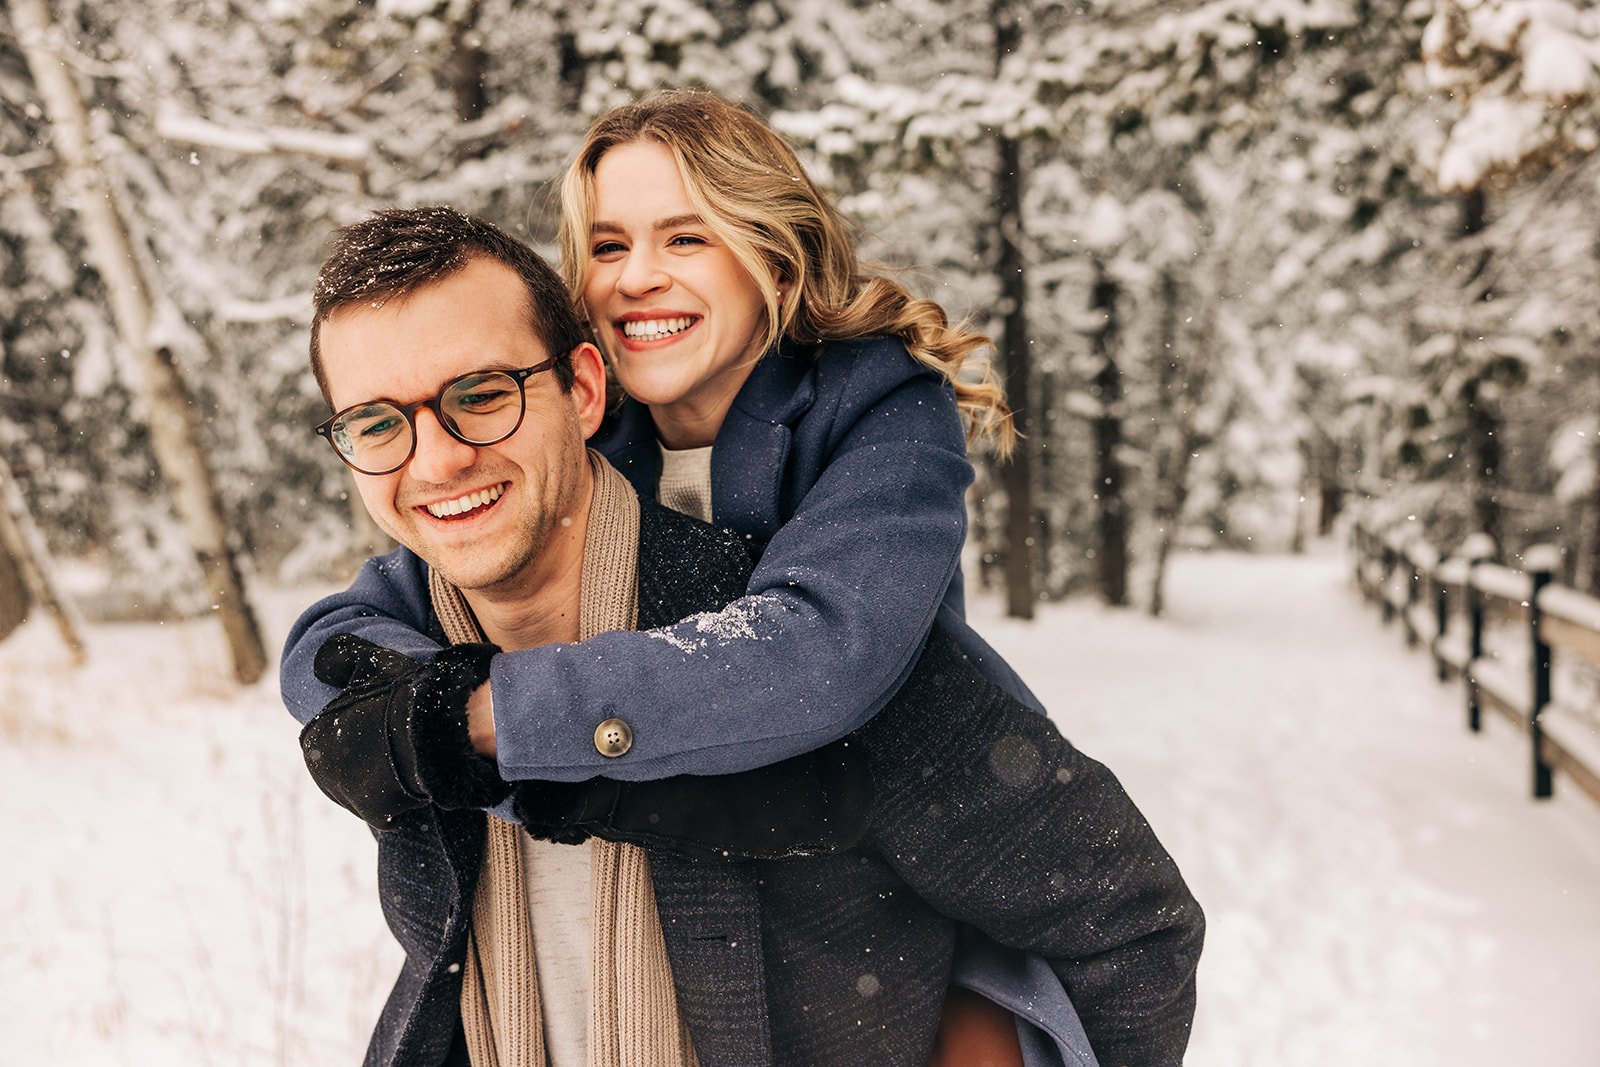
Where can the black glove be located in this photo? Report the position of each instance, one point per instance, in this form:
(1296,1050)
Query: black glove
(396,738)
(809,805)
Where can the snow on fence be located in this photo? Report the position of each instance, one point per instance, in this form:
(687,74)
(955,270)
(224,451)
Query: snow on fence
(1523,646)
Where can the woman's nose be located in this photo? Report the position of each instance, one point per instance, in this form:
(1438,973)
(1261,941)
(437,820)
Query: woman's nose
(439,456)
(643,273)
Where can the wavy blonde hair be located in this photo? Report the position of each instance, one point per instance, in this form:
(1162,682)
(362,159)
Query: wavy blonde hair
(748,187)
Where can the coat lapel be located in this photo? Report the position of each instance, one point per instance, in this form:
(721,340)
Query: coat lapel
(752,447)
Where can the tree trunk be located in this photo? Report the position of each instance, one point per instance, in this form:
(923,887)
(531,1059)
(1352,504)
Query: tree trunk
(1297,538)
(1330,498)
(14,600)
(465,67)
(1016,360)
(1483,417)
(182,461)
(1110,487)
(30,580)
(1184,393)
(1172,453)
(1485,431)
(463,70)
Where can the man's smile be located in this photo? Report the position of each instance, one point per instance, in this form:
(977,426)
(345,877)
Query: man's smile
(467,504)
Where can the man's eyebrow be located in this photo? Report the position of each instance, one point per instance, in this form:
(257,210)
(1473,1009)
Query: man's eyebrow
(691,219)
(496,363)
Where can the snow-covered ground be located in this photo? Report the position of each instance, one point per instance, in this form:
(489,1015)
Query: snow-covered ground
(1380,890)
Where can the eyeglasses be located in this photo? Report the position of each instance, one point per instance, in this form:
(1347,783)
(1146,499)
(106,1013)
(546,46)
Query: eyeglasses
(481,408)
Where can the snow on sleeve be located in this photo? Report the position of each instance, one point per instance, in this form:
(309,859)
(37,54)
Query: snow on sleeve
(736,622)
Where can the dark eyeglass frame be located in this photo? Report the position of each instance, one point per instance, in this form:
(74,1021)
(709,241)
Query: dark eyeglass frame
(435,404)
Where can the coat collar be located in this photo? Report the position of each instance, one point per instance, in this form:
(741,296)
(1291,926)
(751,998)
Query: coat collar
(781,388)
(752,447)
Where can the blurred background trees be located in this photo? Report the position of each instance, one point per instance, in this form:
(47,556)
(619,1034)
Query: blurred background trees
(1245,261)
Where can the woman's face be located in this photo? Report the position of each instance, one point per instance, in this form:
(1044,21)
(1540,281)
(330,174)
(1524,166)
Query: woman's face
(678,317)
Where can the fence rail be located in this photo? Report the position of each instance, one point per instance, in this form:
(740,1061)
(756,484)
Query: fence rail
(1450,606)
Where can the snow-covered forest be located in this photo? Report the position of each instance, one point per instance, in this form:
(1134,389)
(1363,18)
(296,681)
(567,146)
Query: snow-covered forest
(1245,261)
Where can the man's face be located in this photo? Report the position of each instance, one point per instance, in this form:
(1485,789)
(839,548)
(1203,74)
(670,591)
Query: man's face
(487,517)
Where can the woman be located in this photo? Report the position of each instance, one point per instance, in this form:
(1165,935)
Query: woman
(778,390)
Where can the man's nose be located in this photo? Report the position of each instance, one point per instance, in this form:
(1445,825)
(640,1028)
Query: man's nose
(439,456)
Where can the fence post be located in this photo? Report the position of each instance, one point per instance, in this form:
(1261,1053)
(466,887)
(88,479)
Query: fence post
(1474,549)
(1541,561)
(1424,561)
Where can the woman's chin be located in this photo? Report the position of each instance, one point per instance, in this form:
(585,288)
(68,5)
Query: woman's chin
(652,390)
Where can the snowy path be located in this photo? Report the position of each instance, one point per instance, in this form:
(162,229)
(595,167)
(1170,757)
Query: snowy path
(1380,890)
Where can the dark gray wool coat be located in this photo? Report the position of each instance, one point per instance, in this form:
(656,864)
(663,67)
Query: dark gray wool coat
(984,815)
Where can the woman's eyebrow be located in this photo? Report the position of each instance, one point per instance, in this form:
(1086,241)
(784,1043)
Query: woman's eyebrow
(672,223)
(675,221)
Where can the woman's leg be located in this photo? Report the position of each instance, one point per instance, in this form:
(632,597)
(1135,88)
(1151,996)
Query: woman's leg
(974,1031)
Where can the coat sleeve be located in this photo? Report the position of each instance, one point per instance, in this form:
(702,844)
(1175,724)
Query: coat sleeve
(830,625)
(387,604)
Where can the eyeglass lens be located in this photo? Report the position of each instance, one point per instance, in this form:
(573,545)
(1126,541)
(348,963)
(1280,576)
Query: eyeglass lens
(479,409)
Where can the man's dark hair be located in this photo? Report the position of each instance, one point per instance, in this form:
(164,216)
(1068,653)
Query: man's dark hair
(394,253)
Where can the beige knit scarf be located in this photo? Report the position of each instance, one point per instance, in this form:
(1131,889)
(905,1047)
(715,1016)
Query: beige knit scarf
(633,1011)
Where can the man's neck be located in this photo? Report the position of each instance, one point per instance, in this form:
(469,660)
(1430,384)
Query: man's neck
(540,606)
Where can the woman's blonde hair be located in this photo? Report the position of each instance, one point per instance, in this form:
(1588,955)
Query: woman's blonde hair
(748,187)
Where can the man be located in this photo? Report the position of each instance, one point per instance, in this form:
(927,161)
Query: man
(809,950)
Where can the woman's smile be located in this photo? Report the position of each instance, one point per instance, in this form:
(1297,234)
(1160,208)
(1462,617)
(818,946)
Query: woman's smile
(655,329)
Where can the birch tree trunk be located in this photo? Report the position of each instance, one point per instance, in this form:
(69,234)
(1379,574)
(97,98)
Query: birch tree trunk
(21,542)
(14,598)
(182,461)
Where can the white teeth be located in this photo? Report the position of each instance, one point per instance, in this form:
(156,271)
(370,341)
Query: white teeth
(655,329)
(445,509)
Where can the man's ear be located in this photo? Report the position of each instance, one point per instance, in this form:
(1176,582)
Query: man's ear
(588,387)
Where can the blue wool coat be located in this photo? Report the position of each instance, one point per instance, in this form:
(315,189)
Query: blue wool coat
(843,960)
(845,471)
